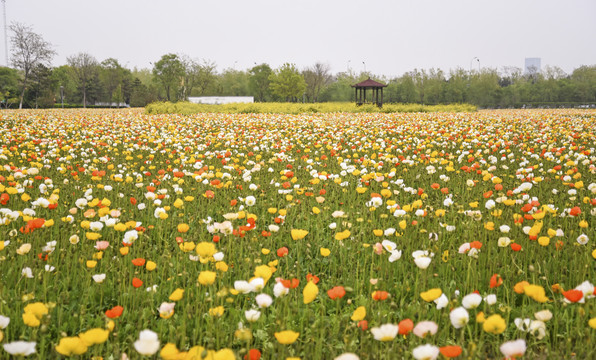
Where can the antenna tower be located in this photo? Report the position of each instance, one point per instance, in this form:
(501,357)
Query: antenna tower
(5,31)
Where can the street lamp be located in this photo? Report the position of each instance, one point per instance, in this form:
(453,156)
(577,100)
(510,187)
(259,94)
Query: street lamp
(363,63)
(62,95)
(471,61)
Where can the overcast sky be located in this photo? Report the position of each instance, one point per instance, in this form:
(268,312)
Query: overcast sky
(385,37)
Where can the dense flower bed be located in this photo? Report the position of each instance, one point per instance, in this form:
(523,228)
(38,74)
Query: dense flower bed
(313,236)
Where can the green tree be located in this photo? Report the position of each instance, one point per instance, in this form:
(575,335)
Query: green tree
(112,75)
(340,88)
(9,83)
(287,83)
(40,93)
(484,88)
(258,82)
(317,78)
(584,78)
(85,72)
(233,83)
(169,73)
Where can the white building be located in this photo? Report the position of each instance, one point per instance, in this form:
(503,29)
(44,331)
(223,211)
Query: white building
(532,66)
(216,100)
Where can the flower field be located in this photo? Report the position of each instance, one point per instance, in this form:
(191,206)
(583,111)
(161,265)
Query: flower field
(310,236)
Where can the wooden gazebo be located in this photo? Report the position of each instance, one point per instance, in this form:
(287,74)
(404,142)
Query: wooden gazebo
(360,92)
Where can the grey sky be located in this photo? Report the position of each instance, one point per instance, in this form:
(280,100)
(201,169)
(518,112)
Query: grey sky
(390,37)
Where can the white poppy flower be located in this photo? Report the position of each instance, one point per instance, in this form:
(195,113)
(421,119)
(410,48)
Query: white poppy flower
(148,343)
(425,352)
(386,332)
(459,317)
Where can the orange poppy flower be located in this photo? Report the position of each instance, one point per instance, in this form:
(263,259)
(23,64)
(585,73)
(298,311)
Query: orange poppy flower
(488,194)
(282,251)
(216,238)
(516,247)
(137,283)
(573,295)
(405,326)
(209,194)
(380,295)
(291,284)
(476,245)
(253,354)
(575,211)
(336,292)
(138,262)
(115,312)
(363,324)
(496,281)
(233,202)
(133,201)
(450,351)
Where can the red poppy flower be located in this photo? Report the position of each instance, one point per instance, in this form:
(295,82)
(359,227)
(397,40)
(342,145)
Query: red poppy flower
(405,326)
(114,312)
(282,251)
(336,292)
(133,201)
(363,324)
(4,198)
(516,247)
(136,282)
(495,281)
(313,278)
(253,354)
(450,351)
(573,295)
(138,262)
(216,238)
(233,203)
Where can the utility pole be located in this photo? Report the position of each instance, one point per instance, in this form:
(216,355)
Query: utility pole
(5,31)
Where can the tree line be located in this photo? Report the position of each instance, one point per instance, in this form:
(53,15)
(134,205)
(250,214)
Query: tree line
(84,81)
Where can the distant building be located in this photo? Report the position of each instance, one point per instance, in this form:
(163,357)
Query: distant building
(216,100)
(532,66)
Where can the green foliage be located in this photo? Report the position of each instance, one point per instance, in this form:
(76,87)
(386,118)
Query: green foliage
(258,82)
(9,82)
(168,72)
(187,108)
(287,83)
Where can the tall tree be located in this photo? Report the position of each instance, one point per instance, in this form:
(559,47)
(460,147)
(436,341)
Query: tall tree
(258,82)
(9,82)
(317,78)
(29,50)
(84,67)
(169,72)
(287,83)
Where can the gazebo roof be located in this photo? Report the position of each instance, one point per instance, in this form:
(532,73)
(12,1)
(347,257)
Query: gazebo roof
(368,83)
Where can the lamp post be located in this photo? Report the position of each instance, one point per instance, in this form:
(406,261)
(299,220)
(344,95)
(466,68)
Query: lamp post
(363,63)
(471,61)
(62,95)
